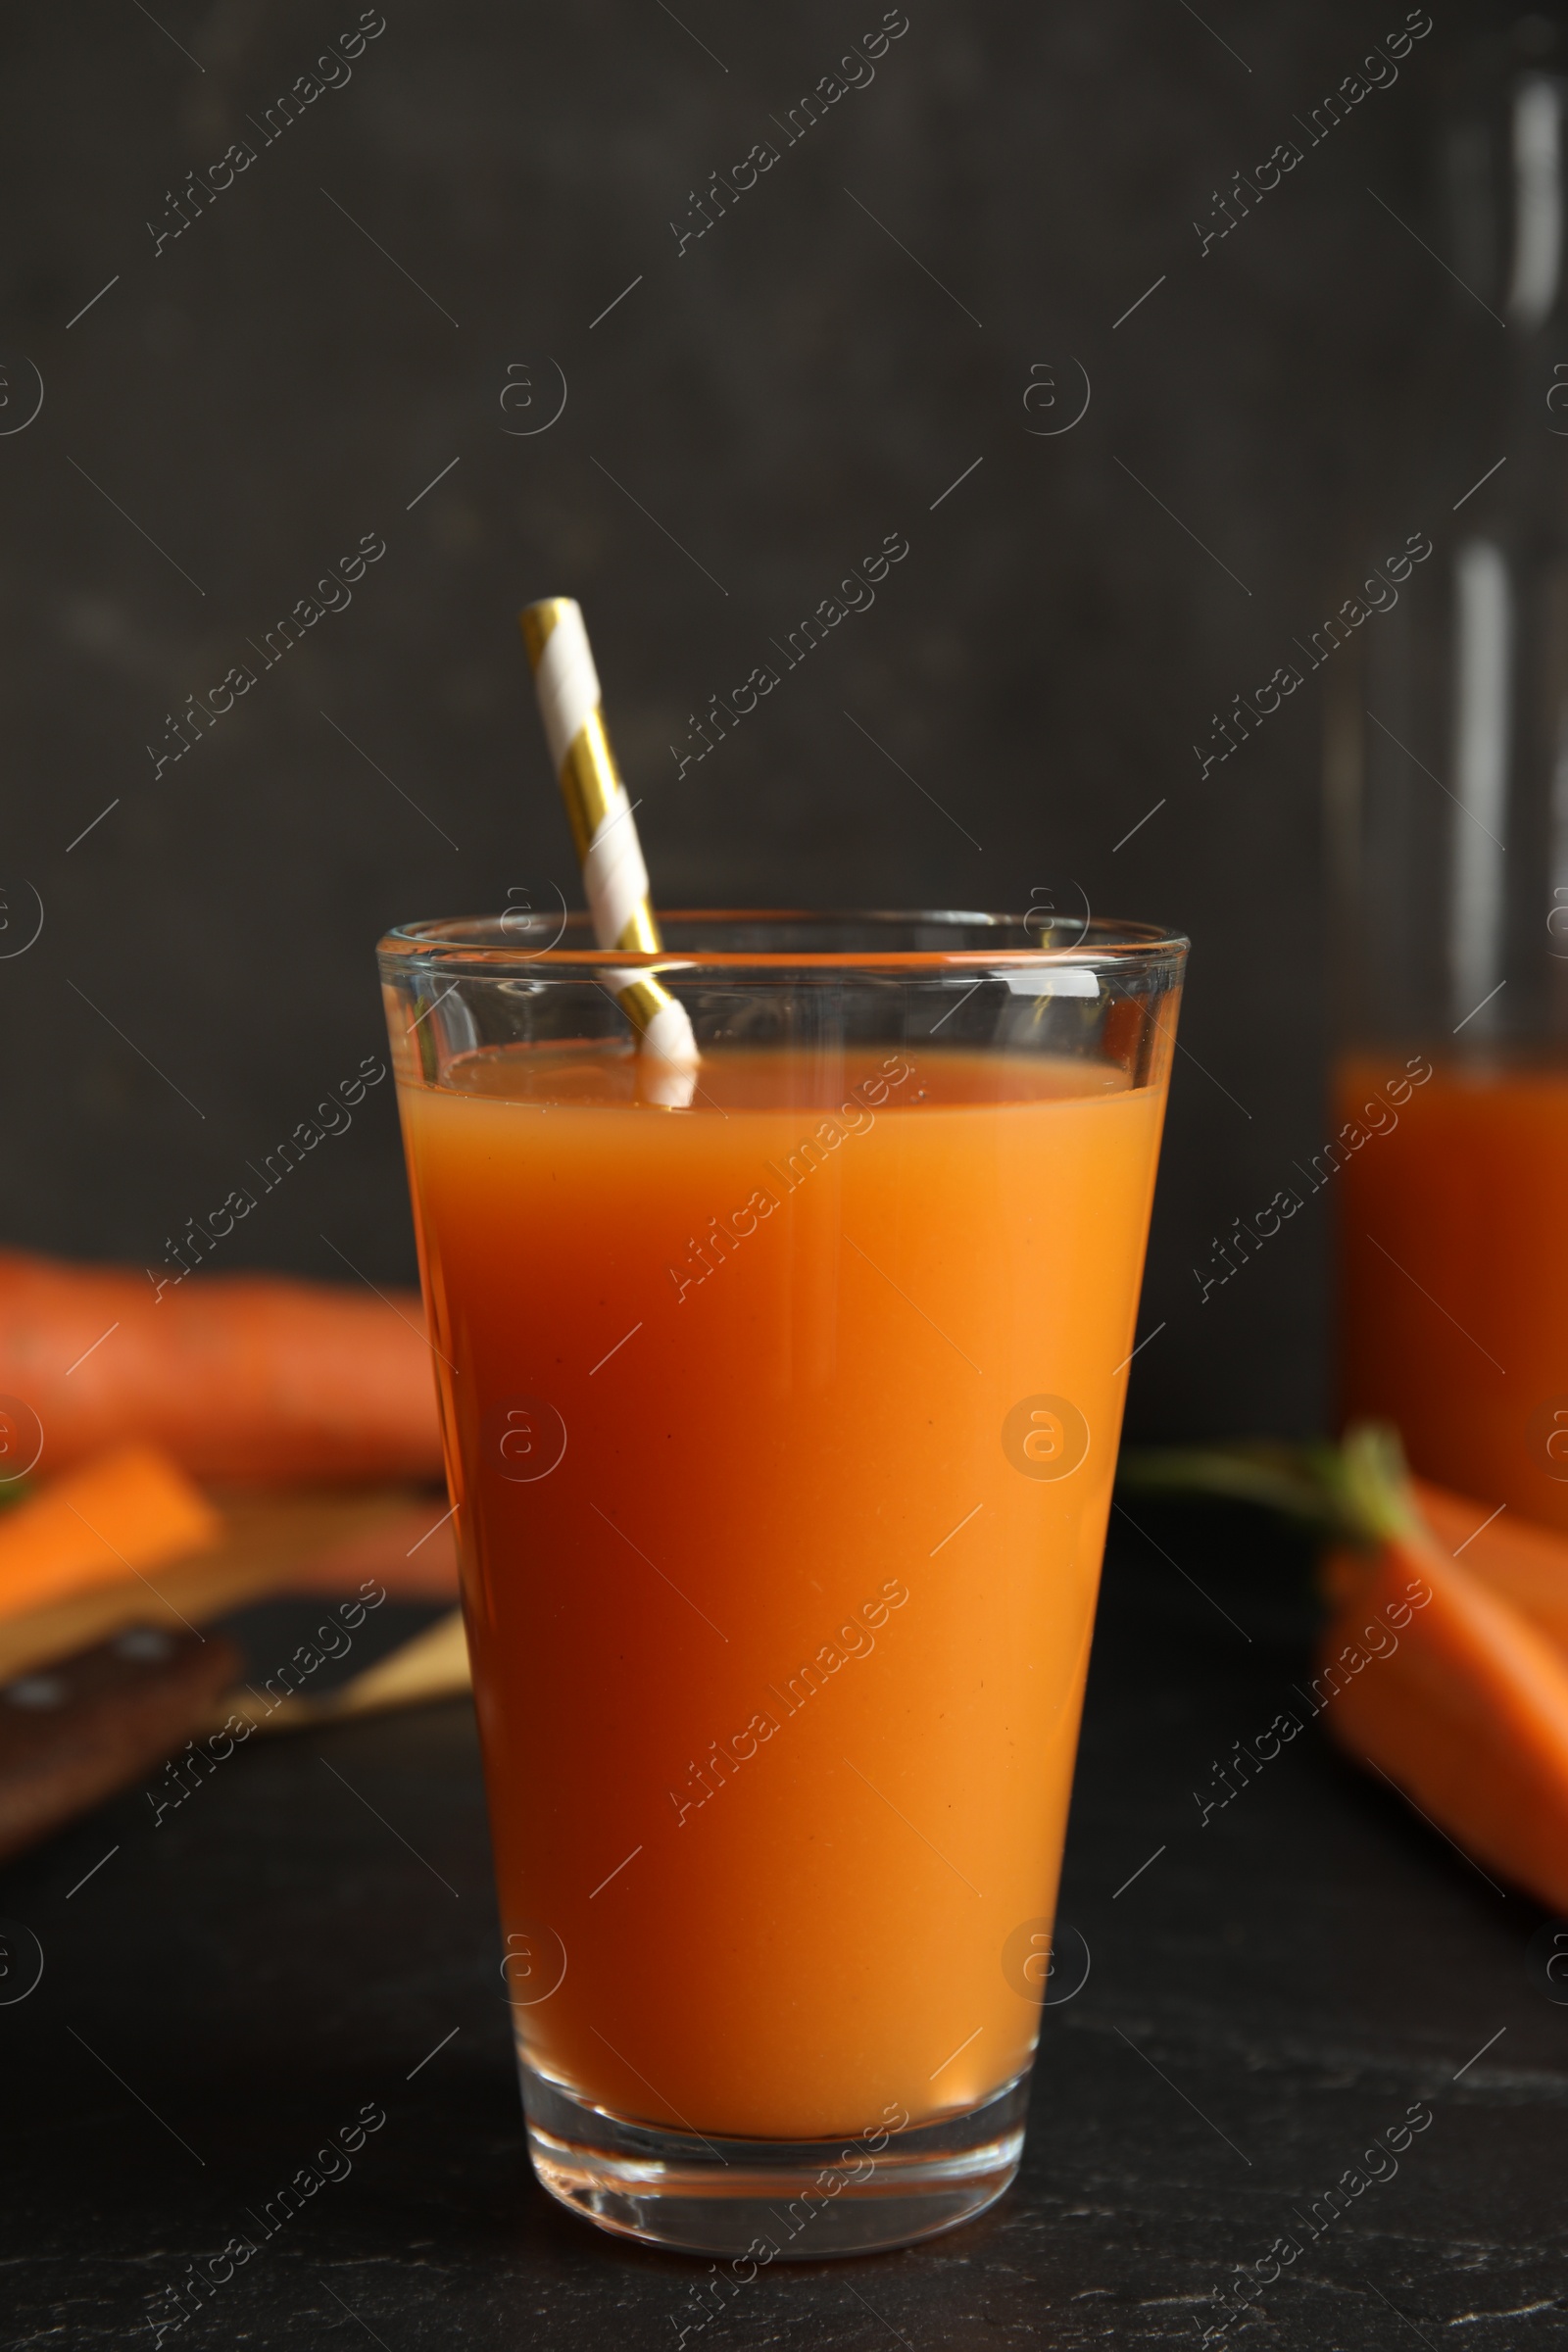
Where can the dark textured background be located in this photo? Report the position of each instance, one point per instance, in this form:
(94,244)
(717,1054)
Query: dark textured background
(270,386)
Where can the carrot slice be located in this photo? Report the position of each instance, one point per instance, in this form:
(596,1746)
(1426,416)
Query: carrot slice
(1468,1714)
(127,1510)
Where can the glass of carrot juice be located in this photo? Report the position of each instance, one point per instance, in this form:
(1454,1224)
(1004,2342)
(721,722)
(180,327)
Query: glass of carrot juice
(780,1407)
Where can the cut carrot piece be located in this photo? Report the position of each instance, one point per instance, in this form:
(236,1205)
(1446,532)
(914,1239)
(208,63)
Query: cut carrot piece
(1468,1715)
(1521,1562)
(125,1511)
(1446,1658)
(270,1543)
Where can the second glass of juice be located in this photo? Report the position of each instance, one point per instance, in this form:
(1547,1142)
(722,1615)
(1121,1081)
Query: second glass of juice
(781,1408)
(1447,768)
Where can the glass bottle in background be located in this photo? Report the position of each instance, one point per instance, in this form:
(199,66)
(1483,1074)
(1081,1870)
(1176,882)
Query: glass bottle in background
(1447,792)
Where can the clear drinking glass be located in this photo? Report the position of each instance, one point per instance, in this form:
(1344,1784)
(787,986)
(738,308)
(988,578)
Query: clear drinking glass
(780,1428)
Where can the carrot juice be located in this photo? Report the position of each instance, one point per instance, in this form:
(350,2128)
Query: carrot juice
(781,1432)
(1453,1265)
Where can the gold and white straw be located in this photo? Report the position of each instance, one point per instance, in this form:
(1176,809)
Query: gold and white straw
(603,826)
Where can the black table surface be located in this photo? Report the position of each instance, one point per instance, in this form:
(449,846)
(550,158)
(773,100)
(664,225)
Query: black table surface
(314,1933)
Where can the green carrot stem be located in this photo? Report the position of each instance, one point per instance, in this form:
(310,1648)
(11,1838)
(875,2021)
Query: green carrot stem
(1357,1491)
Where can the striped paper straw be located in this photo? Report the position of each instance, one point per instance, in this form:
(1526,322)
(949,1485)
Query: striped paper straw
(603,826)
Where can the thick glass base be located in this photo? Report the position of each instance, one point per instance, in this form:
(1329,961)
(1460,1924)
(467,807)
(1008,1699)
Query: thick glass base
(762,2200)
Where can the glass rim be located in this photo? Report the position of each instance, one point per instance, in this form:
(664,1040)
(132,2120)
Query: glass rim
(446,941)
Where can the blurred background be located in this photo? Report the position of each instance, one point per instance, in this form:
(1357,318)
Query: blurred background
(480,295)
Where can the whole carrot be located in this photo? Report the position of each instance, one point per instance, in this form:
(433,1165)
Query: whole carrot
(250,1378)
